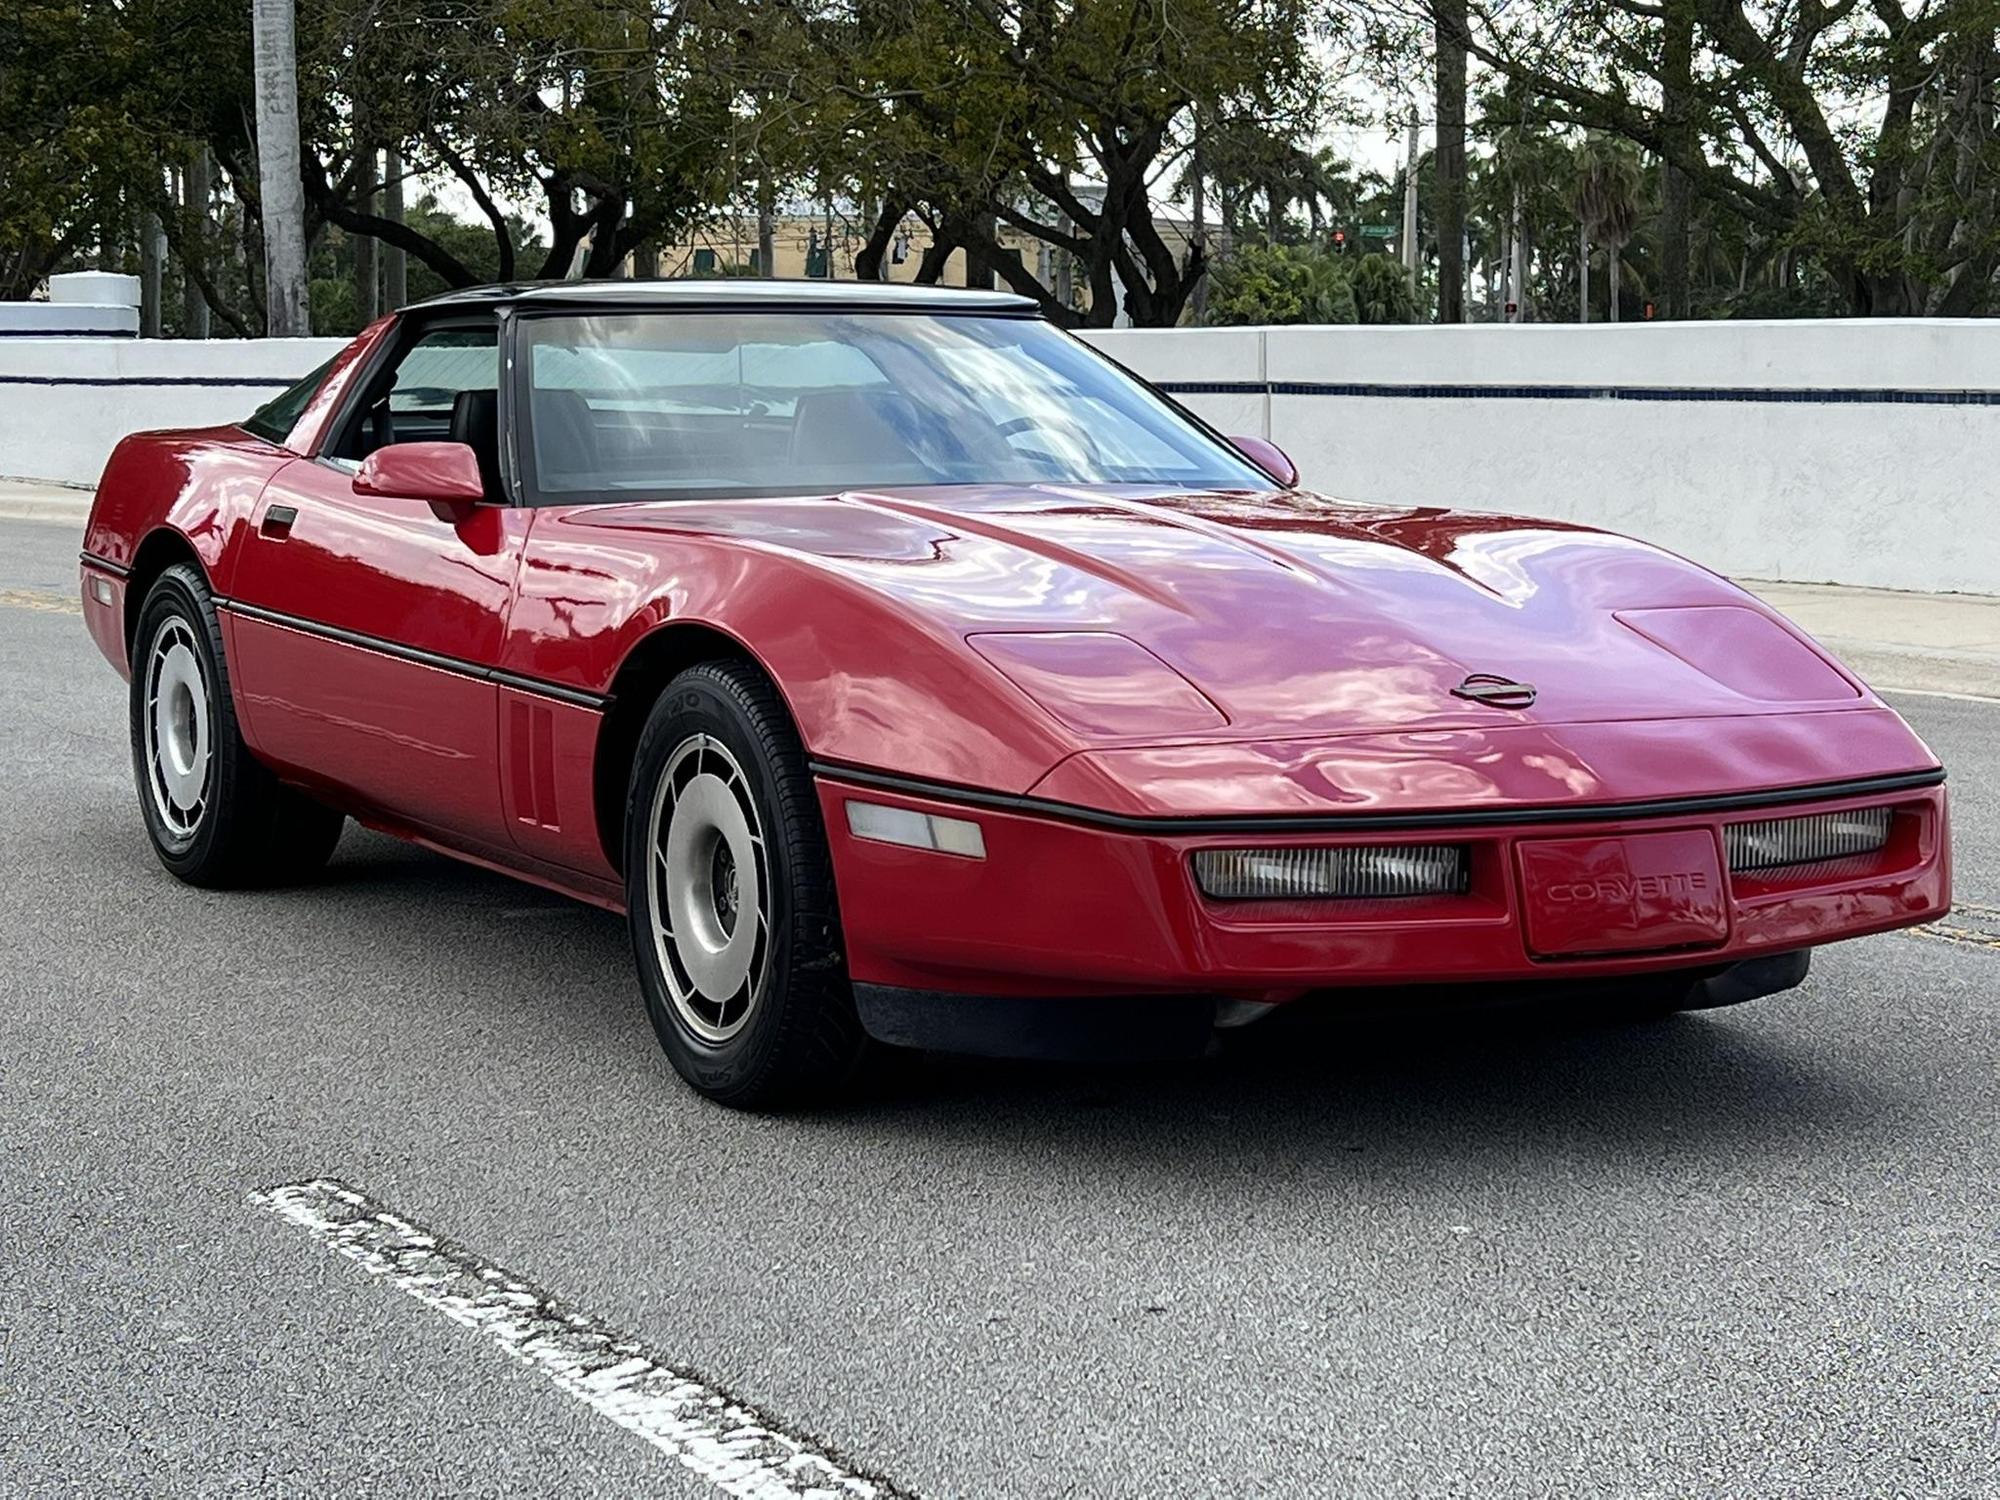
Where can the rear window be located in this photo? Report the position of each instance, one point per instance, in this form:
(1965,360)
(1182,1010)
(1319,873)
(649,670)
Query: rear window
(276,418)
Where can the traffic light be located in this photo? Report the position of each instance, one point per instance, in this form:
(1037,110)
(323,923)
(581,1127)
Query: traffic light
(1340,239)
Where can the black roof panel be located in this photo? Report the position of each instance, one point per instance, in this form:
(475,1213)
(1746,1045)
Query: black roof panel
(734,291)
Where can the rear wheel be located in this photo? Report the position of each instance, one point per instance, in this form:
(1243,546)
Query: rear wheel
(730,891)
(216,816)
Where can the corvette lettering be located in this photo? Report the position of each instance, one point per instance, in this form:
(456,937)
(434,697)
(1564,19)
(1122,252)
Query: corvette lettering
(1625,889)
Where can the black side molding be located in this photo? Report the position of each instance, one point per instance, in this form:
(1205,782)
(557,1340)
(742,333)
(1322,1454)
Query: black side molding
(559,692)
(104,565)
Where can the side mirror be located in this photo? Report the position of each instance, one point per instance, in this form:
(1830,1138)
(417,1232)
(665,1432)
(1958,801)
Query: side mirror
(444,474)
(1269,457)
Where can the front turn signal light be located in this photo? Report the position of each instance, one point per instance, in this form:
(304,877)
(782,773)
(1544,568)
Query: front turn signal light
(915,830)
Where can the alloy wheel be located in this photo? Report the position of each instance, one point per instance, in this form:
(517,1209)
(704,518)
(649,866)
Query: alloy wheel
(708,888)
(179,729)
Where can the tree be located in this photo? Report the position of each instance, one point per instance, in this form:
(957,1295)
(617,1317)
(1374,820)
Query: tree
(1273,284)
(1605,196)
(1054,120)
(1382,291)
(1861,136)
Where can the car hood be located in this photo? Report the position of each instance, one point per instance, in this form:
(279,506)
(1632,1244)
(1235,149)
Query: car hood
(1294,614)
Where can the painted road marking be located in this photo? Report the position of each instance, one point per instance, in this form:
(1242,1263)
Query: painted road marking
(41,599)
(707,1431)
(1969,926)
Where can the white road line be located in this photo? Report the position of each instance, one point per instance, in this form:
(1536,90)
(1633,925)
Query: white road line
(708,1431)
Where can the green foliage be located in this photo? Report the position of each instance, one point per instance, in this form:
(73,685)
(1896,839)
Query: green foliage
(1605,189)
(1269,284)
(1382,291)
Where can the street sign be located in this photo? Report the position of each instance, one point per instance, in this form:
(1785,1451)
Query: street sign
(1378,231)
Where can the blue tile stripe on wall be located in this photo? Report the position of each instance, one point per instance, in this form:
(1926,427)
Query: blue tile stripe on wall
(1857,396)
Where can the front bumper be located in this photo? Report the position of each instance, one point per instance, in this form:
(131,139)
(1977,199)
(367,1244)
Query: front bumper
(1162,1028)
(1063,906)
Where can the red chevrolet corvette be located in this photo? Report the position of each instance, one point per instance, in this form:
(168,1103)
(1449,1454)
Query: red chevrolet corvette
(905,670)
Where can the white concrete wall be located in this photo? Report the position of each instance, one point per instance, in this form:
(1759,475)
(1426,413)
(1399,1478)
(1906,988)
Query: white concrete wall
(65,402)
(1795,451)
(1792,451)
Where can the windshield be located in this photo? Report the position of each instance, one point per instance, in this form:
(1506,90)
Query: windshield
(686,404)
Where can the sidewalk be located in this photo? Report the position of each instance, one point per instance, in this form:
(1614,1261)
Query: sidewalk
(1933,643)
(38,500)
(1929,643)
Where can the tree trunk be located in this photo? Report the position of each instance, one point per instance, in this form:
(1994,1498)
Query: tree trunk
(367,279)
(149,275)
(1676,187)
(1583,276)
(1448,205)
(873,256)
(197,190)
(395,260)
(1411,258)
(280,189)
(1613,254)
(767,227)
(936,253)
(978,268)
(1198,233)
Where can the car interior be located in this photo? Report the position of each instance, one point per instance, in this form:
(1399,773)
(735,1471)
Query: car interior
(732,416)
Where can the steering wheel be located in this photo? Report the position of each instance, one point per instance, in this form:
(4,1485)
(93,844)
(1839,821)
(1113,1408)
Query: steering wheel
(1015,425)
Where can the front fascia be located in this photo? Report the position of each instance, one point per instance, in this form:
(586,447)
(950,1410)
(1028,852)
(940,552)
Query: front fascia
(1063,907)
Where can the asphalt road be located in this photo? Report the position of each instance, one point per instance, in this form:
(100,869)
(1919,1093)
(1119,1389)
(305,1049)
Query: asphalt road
(1753,1253)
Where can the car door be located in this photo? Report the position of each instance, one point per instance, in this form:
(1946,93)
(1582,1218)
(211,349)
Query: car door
(363,628)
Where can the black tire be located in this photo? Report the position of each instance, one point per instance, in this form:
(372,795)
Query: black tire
(244,827)
(796,1038)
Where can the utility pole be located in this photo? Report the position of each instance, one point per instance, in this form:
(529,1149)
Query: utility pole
(274,45)
(1410,203)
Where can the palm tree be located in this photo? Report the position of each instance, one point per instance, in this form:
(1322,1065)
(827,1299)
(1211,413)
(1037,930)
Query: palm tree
(1605,196)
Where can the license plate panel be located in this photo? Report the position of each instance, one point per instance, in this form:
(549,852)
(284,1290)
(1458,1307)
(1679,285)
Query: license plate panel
(1632,893)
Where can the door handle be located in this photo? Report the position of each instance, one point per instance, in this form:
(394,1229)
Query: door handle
(277,522)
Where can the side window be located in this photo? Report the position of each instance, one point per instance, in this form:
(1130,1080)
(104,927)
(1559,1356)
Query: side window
(440,365)
(418,399)
(276,418)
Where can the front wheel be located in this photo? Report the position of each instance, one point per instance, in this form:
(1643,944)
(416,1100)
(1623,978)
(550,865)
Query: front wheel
(730,892)
(216,816)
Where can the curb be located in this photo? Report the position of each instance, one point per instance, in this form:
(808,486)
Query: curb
(51,509)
